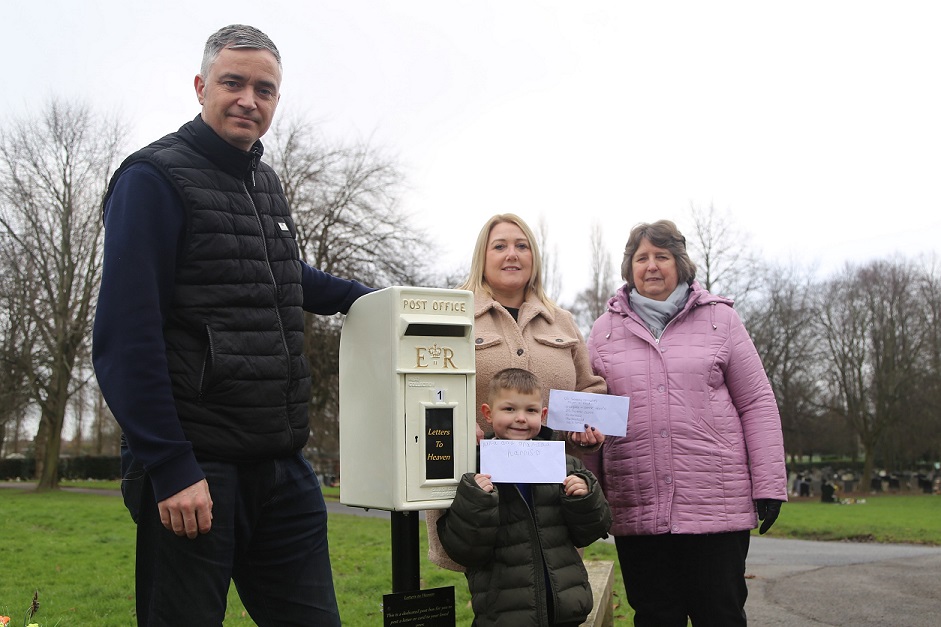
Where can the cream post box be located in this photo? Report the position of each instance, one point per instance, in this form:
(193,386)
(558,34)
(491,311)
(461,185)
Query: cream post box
(407,388)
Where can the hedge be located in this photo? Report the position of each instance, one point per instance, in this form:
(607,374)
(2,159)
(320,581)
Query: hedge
(83,467)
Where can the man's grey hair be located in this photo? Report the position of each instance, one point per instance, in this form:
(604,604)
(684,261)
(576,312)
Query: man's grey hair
(236,36)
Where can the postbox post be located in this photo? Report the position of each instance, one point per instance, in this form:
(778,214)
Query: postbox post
(406,571)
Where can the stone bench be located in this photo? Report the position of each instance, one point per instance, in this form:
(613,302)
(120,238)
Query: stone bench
(601,578)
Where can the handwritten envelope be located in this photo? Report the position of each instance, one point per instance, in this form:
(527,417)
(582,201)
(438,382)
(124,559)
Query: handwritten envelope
(571,411)
(523,461)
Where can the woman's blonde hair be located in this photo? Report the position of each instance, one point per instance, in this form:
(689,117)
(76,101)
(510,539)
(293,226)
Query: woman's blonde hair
(475,280)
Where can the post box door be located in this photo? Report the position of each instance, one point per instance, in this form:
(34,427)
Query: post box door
(437,449)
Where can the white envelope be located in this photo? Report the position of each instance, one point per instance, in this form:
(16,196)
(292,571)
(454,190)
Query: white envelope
(571,411)
(523,461)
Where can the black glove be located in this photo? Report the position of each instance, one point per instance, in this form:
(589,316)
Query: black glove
(768,510)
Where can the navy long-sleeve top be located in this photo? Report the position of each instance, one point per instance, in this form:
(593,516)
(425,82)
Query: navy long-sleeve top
(144,222)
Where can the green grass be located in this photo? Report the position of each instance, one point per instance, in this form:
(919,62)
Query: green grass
(908,519)
(77,549)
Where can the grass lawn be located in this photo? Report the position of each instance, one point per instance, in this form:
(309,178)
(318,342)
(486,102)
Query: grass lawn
(78,551)
(902,518)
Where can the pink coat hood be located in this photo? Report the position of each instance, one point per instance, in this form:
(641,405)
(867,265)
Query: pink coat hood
(704,435)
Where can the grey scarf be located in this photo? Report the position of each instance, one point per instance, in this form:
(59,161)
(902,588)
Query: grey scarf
(656,314)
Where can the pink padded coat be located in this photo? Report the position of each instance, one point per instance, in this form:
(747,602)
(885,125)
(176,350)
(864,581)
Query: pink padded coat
(704,434)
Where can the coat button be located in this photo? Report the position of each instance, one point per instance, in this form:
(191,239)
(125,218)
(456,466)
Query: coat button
(519,351)
(479,340)
(663,433)
(660,388)
(558,340)
(668,479)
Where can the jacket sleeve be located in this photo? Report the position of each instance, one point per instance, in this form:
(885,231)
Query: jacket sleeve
(751,393)
(587,517)
(143,229)
(326,294)
(468,531)
(595,338)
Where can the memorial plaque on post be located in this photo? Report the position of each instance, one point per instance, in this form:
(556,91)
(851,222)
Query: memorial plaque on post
(421,608)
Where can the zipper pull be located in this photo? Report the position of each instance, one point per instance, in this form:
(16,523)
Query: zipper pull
(253,165)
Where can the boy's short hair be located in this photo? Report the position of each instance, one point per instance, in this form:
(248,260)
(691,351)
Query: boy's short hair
(517,379)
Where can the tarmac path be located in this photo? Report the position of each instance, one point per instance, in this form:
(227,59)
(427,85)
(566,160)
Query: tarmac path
(801,583)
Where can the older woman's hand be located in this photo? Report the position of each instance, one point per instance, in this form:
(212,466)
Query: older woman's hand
(591,437)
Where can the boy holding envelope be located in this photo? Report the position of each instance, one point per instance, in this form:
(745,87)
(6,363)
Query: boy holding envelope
(519,540)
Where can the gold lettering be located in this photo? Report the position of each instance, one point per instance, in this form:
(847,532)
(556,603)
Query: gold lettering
(438,458)
(444,432)
(448,358)
(420,357)
(412,303)
(448,305)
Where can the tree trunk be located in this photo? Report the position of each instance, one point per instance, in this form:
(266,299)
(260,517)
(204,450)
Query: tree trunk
(50,425)
(47,461)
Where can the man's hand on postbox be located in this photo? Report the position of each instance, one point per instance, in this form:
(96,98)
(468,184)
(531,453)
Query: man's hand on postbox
(591,437)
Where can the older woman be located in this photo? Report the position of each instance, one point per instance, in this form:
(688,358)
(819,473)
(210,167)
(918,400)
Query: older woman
(518,326)
(703,458)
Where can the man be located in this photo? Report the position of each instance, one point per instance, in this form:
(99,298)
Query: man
(198,349)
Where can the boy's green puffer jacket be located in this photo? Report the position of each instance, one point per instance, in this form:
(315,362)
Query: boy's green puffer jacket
(504,548)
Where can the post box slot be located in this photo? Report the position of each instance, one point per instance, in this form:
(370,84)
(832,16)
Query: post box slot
(439,330)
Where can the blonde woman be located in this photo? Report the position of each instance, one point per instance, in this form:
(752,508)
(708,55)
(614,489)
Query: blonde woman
(516,325)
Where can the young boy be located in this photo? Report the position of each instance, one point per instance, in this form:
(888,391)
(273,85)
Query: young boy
(518,541)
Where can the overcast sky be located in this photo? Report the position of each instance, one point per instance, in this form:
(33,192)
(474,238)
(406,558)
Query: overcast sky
(815,125)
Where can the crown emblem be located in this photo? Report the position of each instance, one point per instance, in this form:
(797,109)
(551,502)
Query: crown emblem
(434,351)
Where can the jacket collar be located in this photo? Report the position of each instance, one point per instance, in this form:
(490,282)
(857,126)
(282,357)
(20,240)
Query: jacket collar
(532,307)
(225,156)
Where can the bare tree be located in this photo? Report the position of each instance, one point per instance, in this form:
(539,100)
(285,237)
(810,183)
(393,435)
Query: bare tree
(551,274)
(105,431)
(725,262)
(344,202)
(54,169)
(871,328)
(782,325)
(15,348)
(923,429)
(344,199)
(593,300)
